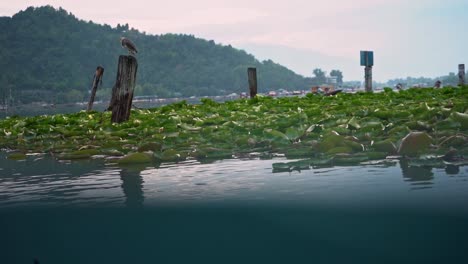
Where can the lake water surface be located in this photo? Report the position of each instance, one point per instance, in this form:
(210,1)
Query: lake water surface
(231,211)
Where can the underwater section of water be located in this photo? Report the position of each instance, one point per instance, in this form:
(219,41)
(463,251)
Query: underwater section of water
(231,211)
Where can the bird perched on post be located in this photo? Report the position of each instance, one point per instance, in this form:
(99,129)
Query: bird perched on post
(126,43)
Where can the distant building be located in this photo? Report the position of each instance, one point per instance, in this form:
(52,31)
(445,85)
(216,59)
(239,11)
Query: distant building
(296,92)
(326,88)
(332,80)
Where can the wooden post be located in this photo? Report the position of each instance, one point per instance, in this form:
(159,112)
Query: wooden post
(367,60)
(368,78)
(252,74)
(461,74)
(97,80)
(122,93)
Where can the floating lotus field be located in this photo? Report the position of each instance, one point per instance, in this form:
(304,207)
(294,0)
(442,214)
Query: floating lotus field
(426,125)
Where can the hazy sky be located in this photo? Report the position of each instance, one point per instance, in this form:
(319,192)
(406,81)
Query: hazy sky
(409,38)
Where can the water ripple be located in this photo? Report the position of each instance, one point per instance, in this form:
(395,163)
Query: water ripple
(46,182)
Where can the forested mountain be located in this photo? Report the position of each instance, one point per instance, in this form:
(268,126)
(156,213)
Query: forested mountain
(49,55)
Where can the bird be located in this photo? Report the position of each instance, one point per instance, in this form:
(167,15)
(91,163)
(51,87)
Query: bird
(128,44)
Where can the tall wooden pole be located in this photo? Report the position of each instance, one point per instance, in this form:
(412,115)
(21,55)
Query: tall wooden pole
(368,78)
(367,60)
(97,80)
(252,74)
(461,74)
(122,93)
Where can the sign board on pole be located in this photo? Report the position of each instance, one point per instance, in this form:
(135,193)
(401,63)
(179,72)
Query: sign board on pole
(367,58)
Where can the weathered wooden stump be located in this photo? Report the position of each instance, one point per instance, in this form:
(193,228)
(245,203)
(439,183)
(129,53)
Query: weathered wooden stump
(97,80)
(122,93)
(368,78)
(461,74)
(252,74)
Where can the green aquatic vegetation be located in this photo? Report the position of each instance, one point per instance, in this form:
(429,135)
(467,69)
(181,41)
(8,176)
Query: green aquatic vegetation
(78,154)
(349,159)
(150,146)
(135,158)
(386,146)
(454,141)
(462,118)
(17,156)
(171,155)
(340,129)
(291,166)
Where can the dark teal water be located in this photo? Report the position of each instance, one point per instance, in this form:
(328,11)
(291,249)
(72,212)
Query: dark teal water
(232,211)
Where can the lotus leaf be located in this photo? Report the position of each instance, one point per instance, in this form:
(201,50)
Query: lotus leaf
(353,123)
(190,128)
(16,156)
(151,146)
(171,155)
(419,126)
(79,154)
(372,126)
(414,143)
(376,155)
(454,141)
(348,159)
(344,149)
(275,135)
(171,135)
(294,134)
(355,146)
(111,152)
(281,167)
(300,165)
(299,152)
(448,123)
(462,118)
(213,153)
(135,158)
(383,114)
(386,146)
(399,131)
(330,141)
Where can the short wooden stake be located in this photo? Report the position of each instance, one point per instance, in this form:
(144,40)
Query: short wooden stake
(97,80)
(461,74)
(252,74)
(122,93)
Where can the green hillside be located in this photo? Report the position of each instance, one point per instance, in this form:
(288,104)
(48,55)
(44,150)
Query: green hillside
(50,55)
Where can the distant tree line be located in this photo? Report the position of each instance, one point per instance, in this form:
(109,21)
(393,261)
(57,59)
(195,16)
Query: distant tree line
(49,55)
(447,80)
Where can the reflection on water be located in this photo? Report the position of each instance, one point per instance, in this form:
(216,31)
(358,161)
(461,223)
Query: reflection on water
(421,177)
(41,180)
(452,170)
(132,186)
(44,181)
